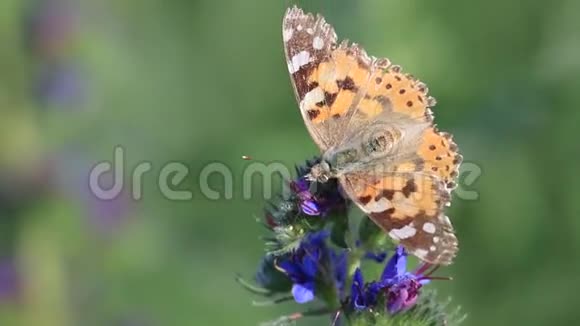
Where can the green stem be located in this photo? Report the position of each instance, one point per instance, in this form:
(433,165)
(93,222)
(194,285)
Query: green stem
(272,302)
(251,287)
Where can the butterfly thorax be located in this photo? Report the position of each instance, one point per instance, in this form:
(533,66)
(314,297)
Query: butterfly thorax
(359,153)
(347,158)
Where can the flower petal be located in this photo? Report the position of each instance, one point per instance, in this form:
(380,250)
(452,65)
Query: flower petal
(303,293)
(397,300)
(289,268)
(396,266)
(310,263)
(309,207)
(424,281)
(357,279)
(359,303)
(300,185)
(317,239)
(357,294)
(410,302)
(373,290)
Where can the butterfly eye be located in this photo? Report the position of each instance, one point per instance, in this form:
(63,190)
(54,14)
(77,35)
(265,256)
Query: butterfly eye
(320,172)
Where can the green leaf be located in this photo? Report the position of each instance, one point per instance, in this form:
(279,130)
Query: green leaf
(371,236)
(339,231)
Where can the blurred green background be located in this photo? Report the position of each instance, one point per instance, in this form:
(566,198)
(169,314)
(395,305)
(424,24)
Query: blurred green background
(206,81)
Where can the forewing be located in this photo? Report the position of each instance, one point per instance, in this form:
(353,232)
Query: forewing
(328,79)
(390,97)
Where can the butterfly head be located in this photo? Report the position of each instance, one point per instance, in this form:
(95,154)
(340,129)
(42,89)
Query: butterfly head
(321,172)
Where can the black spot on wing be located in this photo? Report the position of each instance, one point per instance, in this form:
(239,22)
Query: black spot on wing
(409,188)
(347,83)
(365,199)
(312,114)
(330,98)
(387,193)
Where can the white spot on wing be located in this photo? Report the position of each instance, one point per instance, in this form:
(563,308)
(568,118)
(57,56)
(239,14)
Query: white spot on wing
(311,98)
(432,248)
(310,31)
(421,253)
(429,227)
(435,239)
(300,59)
(287,34)
(405,232)
(318,43)
(299,28)
(377,206)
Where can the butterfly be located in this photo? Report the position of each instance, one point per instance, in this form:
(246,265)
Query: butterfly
(374,128)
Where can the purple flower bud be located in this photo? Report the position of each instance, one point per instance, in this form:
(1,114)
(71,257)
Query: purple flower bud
(310,208)
(402,295)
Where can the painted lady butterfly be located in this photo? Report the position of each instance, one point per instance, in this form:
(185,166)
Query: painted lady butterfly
(375,129)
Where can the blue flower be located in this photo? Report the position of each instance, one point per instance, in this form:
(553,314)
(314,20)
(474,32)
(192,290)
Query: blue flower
(363,295)
(400,288)
(302,266)
(338,262)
